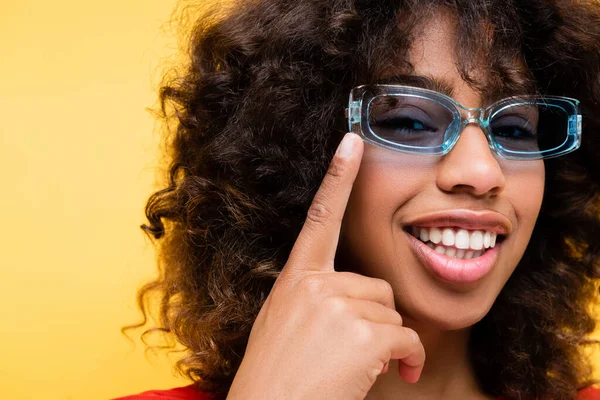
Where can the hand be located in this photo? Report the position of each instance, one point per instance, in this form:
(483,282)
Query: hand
(324,334)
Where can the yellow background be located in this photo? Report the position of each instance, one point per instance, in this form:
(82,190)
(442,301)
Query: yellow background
(78,155)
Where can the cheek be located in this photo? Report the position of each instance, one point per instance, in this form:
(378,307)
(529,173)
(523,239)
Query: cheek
(384,183)
(385,176)
(525,190)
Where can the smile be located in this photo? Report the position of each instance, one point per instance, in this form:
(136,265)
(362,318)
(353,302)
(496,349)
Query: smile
(456,242)
(455,255)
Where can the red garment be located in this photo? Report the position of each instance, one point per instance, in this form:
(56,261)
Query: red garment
(190,393)
(590,393)
(180,393)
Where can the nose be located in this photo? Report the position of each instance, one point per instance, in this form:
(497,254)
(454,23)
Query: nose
(471,166)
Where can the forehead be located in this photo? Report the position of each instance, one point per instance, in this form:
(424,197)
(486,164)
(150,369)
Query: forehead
(436,61)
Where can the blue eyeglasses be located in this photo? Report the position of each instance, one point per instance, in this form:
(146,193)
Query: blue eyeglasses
(420,121)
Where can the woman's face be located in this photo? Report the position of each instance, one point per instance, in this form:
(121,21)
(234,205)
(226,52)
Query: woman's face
(395,191)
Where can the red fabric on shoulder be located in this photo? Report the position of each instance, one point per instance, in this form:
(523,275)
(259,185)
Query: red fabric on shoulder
(179,393)
(589,393)
(191,393)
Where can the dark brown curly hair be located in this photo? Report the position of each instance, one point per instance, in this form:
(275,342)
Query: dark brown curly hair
(258,113)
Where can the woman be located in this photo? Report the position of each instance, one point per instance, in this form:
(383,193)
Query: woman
(451,253)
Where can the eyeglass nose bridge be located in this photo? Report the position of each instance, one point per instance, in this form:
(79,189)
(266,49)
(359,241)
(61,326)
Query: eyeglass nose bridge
(473,116)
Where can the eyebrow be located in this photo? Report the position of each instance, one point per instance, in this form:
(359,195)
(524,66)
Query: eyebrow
(423,82)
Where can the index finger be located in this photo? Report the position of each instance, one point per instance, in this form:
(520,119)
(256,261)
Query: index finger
(316,244)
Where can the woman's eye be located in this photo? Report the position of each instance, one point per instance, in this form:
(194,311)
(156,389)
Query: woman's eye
(403,123)
(514,127)
(514,132)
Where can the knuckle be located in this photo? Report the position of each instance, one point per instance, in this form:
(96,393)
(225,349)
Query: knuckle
(400,319)
(318,213)
(312,285)
(386,290)
(363,332)
(372,374)
(412,337)
(338,168)
(385,287)
(336,305)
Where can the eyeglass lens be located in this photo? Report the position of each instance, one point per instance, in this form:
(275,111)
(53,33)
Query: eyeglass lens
(421,122)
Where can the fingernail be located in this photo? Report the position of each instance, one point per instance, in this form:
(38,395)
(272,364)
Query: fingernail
(346,146)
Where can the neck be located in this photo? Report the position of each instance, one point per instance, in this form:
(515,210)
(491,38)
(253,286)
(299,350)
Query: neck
(447,373)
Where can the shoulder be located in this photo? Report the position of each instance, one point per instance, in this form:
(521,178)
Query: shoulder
(589,393)
(180,393)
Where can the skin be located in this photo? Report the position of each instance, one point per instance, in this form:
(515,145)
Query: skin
(393,188)
(327,332)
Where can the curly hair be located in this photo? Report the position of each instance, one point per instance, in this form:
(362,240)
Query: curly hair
(259,111)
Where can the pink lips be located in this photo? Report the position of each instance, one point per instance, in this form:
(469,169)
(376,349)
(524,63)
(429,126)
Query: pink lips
(466,219)
(453,269)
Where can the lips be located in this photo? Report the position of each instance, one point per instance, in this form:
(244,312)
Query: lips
(465,219)
(455,270)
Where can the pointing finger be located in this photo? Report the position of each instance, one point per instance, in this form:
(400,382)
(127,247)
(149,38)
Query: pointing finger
(317,242)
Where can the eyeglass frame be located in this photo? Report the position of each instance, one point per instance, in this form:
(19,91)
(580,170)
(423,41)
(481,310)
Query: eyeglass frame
(463,115)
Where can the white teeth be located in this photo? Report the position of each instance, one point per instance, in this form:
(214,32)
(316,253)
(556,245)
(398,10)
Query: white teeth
(435,235)
(448,237)
(456,253)
(440,249)
(486,239)
(461,239)
(424,234)
(476,240)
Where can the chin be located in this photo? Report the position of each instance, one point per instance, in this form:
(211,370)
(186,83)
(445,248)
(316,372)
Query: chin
(455,322)
(445,312)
